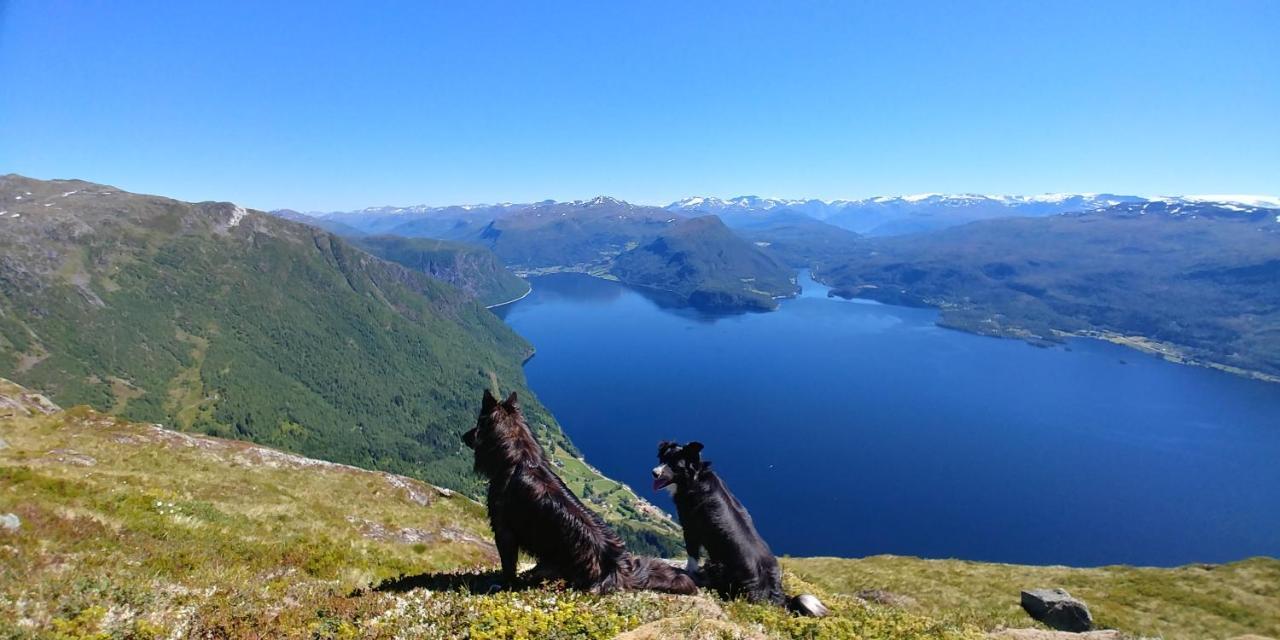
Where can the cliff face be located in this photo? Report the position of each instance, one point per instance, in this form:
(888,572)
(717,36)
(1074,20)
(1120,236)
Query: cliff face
(110,528)
(474,270)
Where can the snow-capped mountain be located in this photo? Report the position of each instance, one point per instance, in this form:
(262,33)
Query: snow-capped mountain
(893,215)
(1264,202)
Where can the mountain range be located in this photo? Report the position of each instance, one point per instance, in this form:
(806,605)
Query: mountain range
(875,216)
(712,268)
(1183,279)
(897,215)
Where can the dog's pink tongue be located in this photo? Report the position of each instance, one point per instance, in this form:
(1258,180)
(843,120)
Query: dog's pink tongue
(658,484)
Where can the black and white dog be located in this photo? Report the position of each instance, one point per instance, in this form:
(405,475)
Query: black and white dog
(739,563)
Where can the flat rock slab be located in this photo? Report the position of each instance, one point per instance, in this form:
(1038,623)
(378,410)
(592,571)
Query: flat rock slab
(1041,634)
(1056,608)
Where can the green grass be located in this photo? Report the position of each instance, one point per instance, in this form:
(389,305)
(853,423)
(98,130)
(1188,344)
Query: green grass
(1193,602)
(133,531)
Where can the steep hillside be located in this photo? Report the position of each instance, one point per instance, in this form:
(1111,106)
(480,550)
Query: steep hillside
(1188,281)
(474,270)
(702,261)
(117,529)
(234,323)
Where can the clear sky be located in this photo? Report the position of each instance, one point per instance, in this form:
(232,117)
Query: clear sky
(343,105)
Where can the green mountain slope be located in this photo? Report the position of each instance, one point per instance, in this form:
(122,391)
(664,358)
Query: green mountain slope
(1190,282)
(239,324)
(112,529)
(702,261)
(796,239)
(474,270)
(571,235)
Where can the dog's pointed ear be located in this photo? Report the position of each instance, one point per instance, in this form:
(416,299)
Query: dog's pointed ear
(489,402)
(512,402)
(694,447)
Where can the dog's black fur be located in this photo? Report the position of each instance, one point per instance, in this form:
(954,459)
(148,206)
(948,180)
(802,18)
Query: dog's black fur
(530,508)
(739,563)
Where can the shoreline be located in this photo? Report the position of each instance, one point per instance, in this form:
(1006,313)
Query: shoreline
(1165,351)
(522,297)
(1169,353)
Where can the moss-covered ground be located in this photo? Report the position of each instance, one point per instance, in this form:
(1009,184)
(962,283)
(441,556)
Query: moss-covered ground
(129,530)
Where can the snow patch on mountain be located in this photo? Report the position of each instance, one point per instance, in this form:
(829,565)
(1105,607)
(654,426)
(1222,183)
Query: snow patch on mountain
(1270,202)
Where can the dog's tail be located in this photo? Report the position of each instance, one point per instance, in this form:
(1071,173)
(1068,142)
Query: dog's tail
(654,574)
(806,605)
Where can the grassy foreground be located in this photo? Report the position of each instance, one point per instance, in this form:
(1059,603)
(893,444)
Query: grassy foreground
(128,530)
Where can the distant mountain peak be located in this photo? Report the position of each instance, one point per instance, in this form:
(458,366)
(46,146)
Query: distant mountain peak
(1267,202)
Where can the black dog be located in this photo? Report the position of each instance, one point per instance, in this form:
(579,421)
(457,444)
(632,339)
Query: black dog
(739,563)
(530,508)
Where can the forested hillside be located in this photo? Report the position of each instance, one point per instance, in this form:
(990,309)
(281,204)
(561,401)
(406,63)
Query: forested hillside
(1185,280)
(709,267)
(216,319)
(473,269)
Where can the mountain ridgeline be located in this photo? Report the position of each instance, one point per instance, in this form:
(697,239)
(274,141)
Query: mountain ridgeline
(897,215)
(213,318)
(1185,278)
(701,263)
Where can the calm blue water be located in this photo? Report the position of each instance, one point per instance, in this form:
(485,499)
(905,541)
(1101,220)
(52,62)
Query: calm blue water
(852,428)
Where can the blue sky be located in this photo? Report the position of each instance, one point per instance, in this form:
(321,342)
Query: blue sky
(338,106)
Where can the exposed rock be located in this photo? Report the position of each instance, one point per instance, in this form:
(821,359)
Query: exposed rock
(1041,634)
(411,488)
(1056,608)
(17,401)
(3,444)
(10,522)
(880,596)
(385,533)
(71,456)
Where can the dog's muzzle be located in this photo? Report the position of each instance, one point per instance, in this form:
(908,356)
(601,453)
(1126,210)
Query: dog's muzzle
(662,476)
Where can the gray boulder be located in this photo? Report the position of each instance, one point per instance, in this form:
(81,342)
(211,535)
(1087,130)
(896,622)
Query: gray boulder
(1056,608)
(9,522)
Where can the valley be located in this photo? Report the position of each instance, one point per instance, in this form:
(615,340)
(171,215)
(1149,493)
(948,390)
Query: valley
(1172,276)
(370,322)
(363,339)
